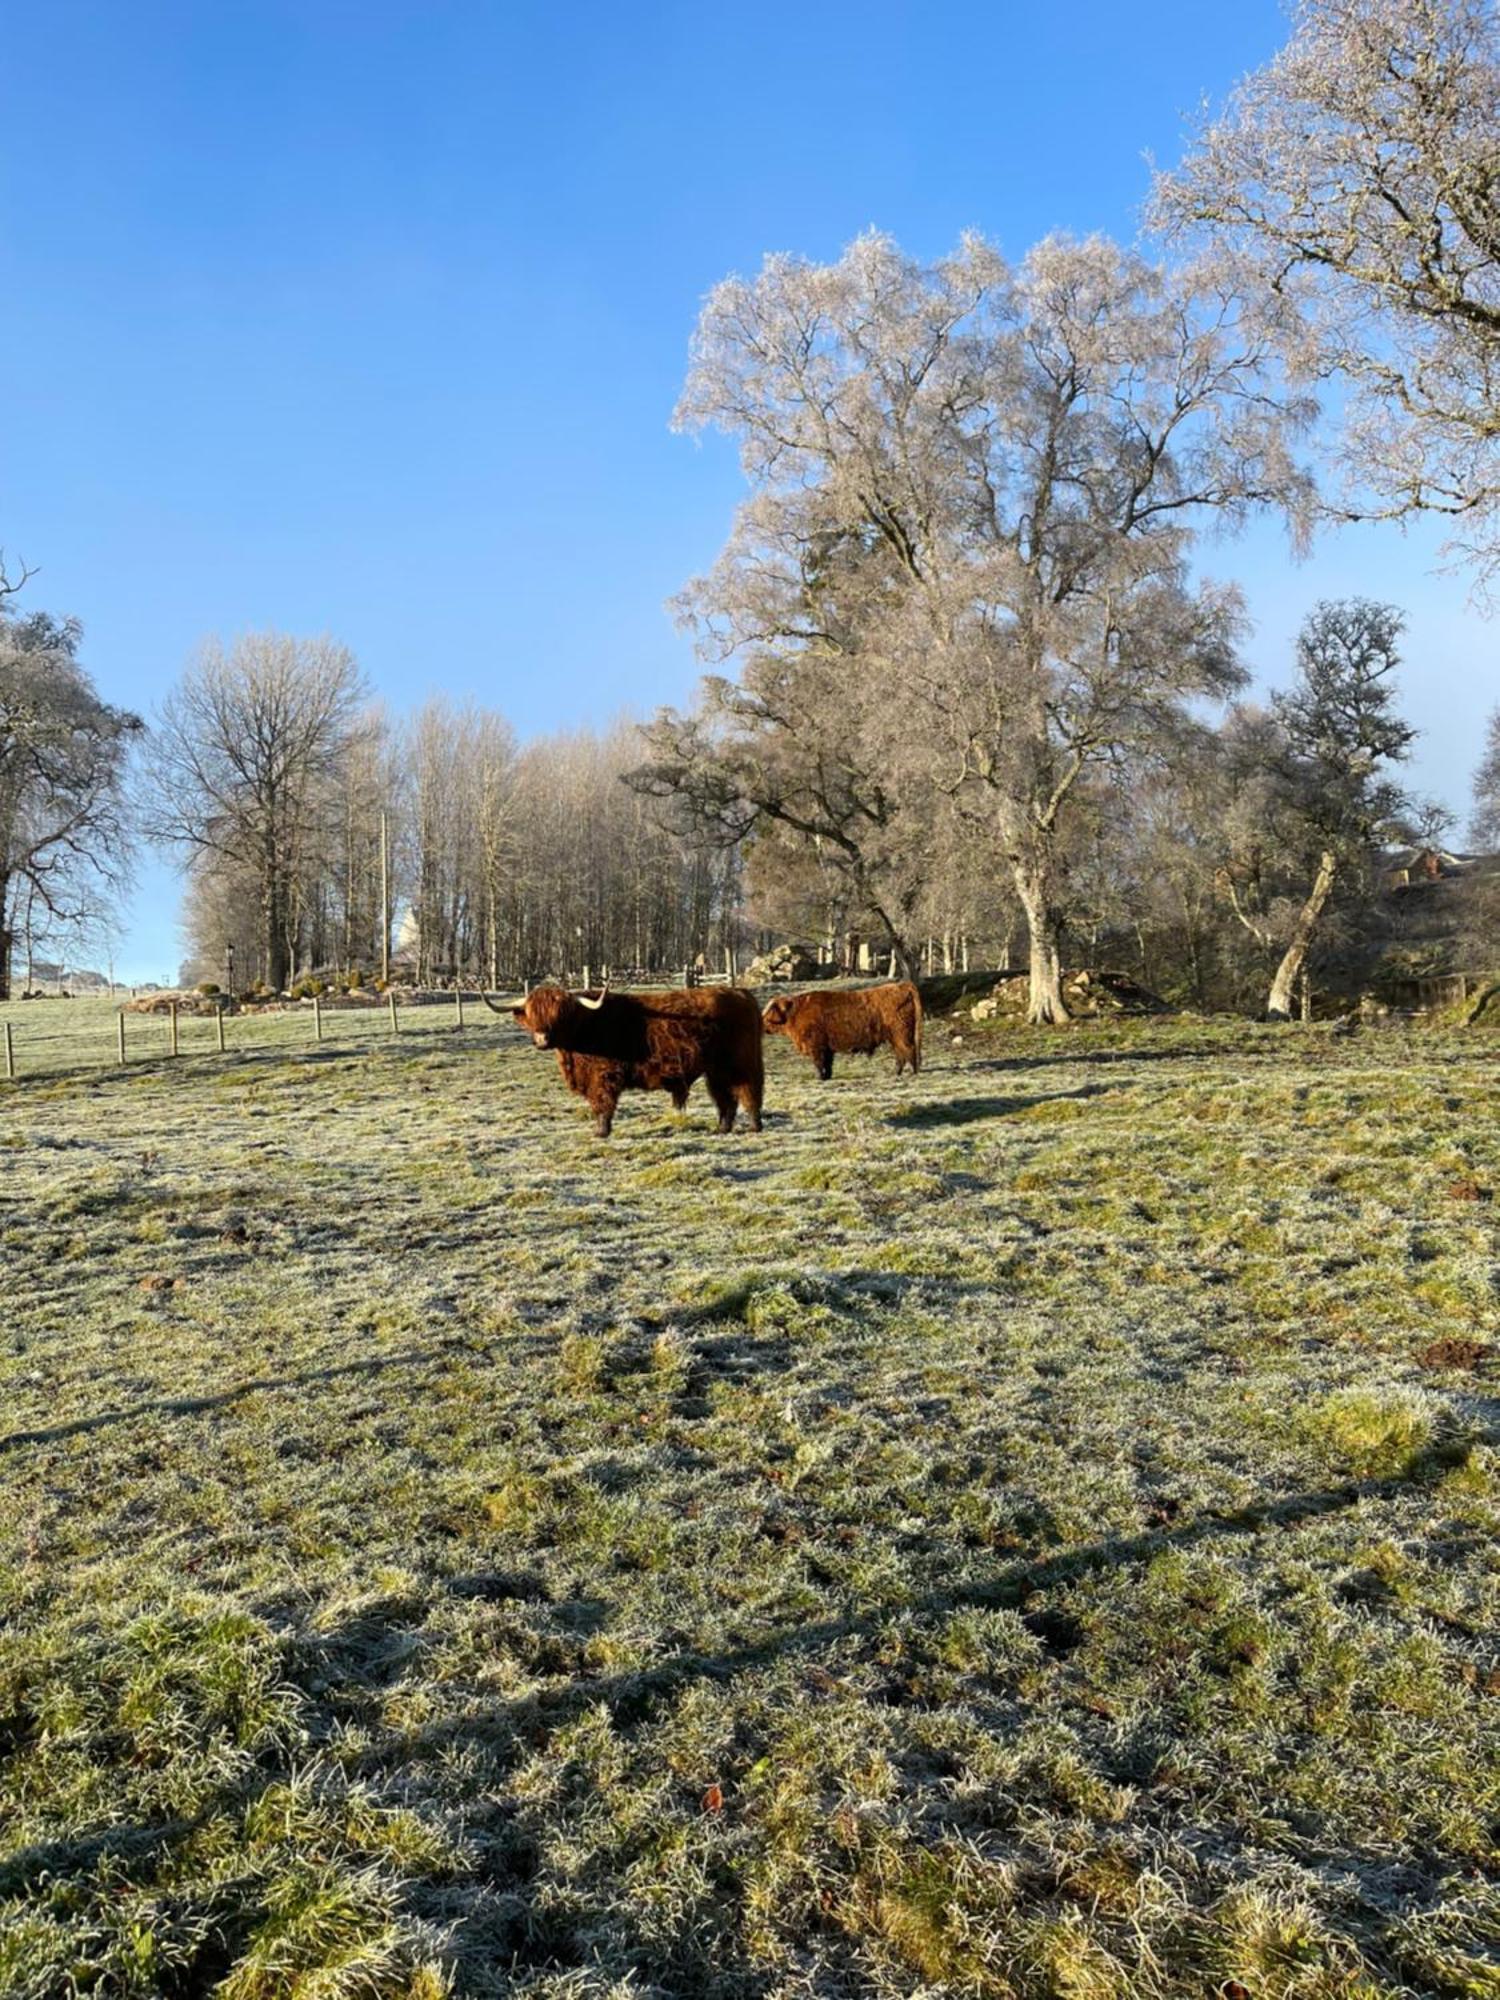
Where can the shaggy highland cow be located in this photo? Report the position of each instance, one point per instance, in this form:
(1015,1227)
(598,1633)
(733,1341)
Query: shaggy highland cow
(823,1025)
(610,1042)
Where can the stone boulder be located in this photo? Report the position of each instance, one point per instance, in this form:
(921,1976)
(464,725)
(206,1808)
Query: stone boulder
(1087,993)
(785,962)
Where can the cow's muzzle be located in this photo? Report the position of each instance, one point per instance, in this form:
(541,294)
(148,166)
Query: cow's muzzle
(542,1041)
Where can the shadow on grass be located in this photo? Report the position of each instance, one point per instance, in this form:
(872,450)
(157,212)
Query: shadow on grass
(637,1696)
(1102,1058)
(192,1406)
(492,1908)
(975,1110)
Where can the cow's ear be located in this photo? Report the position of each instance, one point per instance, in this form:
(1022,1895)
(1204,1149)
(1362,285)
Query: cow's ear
(518,1013)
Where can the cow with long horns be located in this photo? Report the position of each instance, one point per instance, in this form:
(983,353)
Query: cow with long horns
(607,1043)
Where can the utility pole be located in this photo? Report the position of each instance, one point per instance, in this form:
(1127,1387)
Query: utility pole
(385,900)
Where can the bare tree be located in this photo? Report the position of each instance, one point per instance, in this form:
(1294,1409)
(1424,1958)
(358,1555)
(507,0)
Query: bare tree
(64,822)
(1004,469)
(1355,183)
(781,755)
(13,585)
(247,755)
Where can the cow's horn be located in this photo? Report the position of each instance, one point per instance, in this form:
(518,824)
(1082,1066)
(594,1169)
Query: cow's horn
(491,1005)
(584,1000)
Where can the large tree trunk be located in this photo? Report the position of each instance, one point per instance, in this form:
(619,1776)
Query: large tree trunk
(1045,1006)
(273,934)
(1279,1005)
(905,962)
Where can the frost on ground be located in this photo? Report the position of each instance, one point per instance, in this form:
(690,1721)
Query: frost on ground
(1023,1530)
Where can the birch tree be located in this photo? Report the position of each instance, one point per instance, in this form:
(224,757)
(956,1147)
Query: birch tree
(1011,465)
(1355,183)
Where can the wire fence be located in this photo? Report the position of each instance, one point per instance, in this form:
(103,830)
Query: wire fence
(41,1039)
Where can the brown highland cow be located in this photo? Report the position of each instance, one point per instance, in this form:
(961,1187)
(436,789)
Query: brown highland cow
(823,1025)
(610,1042)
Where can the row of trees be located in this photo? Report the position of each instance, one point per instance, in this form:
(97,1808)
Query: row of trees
(1210,857)
(316,830)
(316,826)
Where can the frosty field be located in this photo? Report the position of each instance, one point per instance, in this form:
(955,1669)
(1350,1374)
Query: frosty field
(1024,1530)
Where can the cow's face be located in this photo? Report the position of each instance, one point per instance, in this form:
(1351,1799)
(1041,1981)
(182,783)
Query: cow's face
(778,1015)
(540,1013)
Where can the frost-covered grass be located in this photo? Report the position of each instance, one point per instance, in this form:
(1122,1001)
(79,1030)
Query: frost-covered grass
(1026,1530)
(54,1037)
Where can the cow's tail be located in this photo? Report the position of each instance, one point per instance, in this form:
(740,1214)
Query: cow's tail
(916,1001)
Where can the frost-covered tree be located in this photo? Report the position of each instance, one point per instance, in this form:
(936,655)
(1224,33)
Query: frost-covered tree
(245,765)
(1355,183)
(64,818)
(973,492)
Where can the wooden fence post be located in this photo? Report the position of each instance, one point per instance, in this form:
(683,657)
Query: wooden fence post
(120,1024)
(10,1055)
(219,1019)
(317,1018)
(172,1023)
(391,1002)
(458,1005)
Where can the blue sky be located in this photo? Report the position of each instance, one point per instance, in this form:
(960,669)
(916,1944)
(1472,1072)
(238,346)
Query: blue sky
(370,319)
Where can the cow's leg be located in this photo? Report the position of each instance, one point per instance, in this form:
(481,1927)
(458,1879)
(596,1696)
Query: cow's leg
(823,1057)
(603,1102)
(680,1095)
(750,1093)
(722,1093)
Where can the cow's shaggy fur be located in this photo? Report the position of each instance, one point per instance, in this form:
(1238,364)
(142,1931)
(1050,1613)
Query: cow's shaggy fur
(654,1041)
(823,1025)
